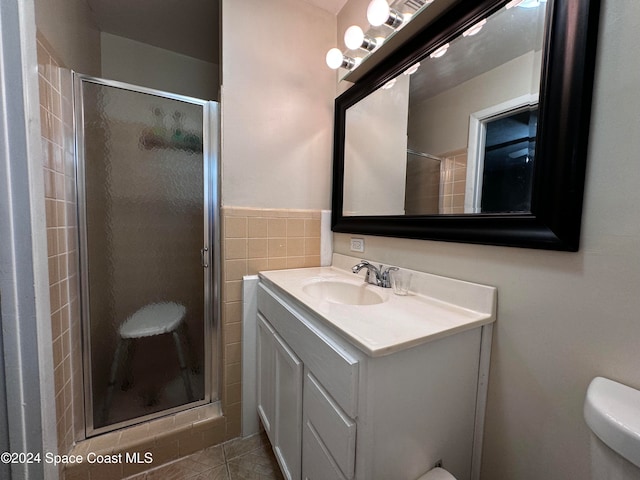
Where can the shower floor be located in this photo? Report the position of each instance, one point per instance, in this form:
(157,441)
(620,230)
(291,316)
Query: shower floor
(141,400)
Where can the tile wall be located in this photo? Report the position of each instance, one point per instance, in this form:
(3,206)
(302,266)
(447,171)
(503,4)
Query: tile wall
(255,240)
(453,181)
(56,117)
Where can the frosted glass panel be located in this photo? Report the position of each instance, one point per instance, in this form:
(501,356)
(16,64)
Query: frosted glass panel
(144,200)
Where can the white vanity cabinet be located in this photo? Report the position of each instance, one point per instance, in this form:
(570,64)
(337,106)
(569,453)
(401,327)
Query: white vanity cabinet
(280,397)
(332,411)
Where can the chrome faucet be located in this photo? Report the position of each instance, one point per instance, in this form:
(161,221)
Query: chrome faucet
(380,277)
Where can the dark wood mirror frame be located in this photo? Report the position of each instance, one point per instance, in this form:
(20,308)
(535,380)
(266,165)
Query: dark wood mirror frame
(566,86)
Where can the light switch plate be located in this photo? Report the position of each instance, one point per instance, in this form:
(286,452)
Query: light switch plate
(357,245)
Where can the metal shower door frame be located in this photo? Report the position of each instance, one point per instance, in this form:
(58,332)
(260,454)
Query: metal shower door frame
(211,244)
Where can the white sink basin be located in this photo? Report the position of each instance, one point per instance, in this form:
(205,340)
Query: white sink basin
(612,411)
(344,293)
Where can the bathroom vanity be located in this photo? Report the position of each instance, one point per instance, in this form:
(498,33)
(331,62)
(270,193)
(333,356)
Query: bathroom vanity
(356,382)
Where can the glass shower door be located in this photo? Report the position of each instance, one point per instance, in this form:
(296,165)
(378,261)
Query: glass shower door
(145,230)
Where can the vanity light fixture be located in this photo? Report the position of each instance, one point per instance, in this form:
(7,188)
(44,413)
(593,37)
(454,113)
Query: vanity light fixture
(379,13)
(412,69)
(355,38)
(470,32)
(336,59)
(440,51)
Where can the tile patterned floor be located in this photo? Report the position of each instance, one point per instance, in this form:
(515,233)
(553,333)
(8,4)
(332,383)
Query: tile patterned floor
(248,458)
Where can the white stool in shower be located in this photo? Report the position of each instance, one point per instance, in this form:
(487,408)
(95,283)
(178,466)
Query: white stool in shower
(151,320)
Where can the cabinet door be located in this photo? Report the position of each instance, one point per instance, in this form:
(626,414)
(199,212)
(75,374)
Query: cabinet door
(318,462)
(288,410)
(266,375)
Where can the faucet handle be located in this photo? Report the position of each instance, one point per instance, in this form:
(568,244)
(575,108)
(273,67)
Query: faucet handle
(386,275)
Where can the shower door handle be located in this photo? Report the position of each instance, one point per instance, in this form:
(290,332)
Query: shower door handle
(203,257)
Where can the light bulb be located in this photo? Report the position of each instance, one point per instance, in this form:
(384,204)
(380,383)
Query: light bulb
(378,12)
(334,58)
(440,52)
(412,69)
(474,29)
(353,37)
(513,3)
(389,84)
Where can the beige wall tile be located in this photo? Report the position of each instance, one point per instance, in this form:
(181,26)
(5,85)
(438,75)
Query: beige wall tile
(256,265)
(295,247)
(277,227)
(233,291)
(235,248)
(295,262)
(277,247)
(234,412)
(234,393)
(258,248)
(312,246)
(235,227)
(275,239)
(232,333)
(233,352)
(277,263)
(233,312)
(233,373)
(295,227)
(312,261)
(258,227)
(312,228)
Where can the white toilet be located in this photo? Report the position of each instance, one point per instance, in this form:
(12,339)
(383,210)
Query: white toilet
(437,474)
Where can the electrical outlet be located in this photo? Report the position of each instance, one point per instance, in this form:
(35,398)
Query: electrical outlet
(357,245)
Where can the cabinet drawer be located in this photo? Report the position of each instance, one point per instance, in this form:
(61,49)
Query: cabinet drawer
(330,425)
(334,367)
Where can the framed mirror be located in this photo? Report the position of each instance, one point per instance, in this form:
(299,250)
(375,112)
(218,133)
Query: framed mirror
(475,130)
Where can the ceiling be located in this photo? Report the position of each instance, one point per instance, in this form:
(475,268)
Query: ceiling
(506,35)
(189,27)
(331,6)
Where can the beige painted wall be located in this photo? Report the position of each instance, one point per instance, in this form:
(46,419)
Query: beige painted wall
(277,108)
(441,123)
(563,318)
(68,25)
(134,62)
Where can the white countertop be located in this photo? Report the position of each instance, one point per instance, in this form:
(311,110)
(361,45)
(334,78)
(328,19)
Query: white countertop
(400,322)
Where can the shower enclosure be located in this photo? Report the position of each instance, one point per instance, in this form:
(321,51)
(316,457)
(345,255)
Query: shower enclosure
(148,224)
